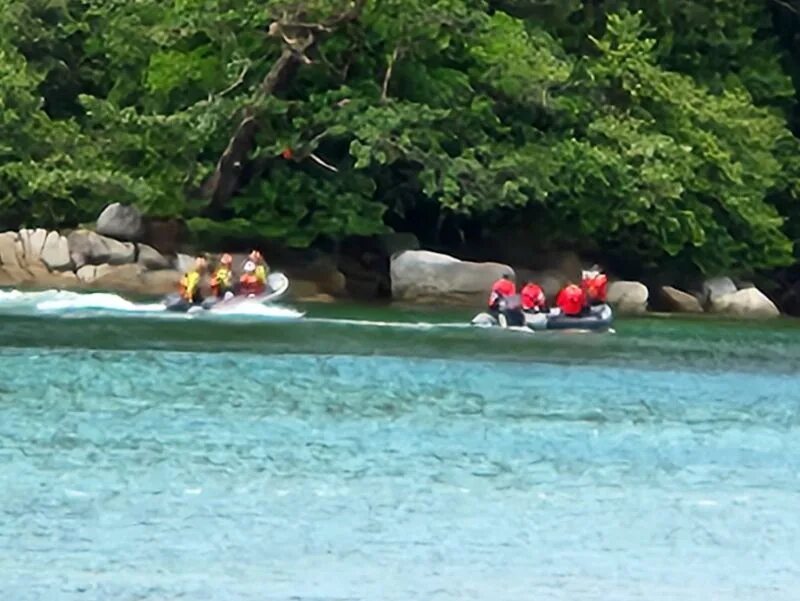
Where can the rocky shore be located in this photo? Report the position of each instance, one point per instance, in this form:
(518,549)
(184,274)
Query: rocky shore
(122,254)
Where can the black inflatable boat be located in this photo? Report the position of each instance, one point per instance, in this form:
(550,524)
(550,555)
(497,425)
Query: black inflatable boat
(599,318)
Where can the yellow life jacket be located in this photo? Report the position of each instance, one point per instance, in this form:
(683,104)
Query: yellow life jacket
(261,274)
(188,285)
(223,278)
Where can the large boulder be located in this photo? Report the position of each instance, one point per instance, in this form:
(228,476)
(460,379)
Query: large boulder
(160,282)
(184,263)
(748,303)
(32,244)
(150,258)
(89,248)
(679,301)
(122,222)
(717,287)
(424,276)
(55,253)
(119,278)
(11,250)
(628,298)
(40,277)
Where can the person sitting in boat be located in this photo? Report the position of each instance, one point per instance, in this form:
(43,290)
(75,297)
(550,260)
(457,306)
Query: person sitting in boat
(502,289)
(532,298)
(222,280)
(595,286)
(262,269)
(189,285)
(251,283)
(572,301)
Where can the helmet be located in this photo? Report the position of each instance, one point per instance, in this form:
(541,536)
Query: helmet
(200,263)
(255,256)
(249,267)
(226,259)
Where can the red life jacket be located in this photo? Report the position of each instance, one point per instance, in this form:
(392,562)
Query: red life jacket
(250,284)
(596,288)
(501,288)
(571,300)
(532,297)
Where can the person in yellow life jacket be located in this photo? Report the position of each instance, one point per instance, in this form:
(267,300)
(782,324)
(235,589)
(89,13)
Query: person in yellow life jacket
(190,282)
(222,280)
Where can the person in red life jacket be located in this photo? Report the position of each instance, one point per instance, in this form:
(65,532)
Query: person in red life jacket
(501,289)
(532,297)
(595,286)
(571,300)
(251,283)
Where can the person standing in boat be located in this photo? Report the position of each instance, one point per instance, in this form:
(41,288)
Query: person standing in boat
(595,286)
(502,289)
(189,285)
(572,301)
(532,298)
(222,280)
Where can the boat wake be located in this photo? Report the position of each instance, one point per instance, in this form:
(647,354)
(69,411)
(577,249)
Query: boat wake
(77,304)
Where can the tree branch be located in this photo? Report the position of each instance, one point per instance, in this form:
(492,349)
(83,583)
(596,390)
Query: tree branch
(297,38)
(388,76)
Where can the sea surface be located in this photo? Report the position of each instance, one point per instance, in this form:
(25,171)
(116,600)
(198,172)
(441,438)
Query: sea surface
(394,455)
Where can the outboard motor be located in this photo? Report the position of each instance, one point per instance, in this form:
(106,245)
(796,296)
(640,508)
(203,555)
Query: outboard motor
(510,312)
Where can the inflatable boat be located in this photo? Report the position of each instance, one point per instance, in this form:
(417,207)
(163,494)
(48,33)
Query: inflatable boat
(277,286)
(599,318)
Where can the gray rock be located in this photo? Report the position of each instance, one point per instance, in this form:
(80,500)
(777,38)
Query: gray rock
(150,258)
(11,252)
(55,253)
(749,303)
(89,248)
(184,263)
(628,298)
(714,288)
(679,301)
(122,222)
(121,278)
(425,276)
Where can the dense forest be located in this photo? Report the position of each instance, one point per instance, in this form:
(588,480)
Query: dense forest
(658,131)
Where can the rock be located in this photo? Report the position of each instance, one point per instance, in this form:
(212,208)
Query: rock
(160,282)
(122,222)
(119,278)
(425,276)
(150,258)
(55,253)
(396,242)
(628,298)
(748,303)
(89,248)
(184,263)
(42,278)
(12,276)
(716,287)
(11,252)
(32,244)
(86,274)
(678,301)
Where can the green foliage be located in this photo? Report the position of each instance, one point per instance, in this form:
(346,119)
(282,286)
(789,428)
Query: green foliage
(654,129)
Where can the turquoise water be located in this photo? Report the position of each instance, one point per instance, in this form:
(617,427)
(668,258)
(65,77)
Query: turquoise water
(145,458)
